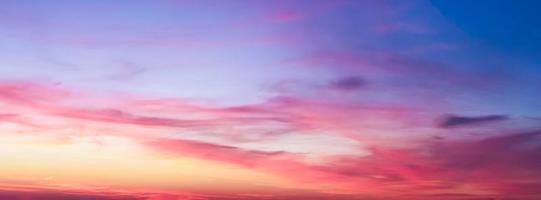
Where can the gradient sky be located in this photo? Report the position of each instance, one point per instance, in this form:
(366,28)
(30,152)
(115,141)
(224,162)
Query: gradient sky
(270,100)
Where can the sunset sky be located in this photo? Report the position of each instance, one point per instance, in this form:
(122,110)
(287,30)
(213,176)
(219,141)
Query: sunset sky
(270,100)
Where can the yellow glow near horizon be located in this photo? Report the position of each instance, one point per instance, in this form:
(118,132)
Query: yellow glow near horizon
(119,162)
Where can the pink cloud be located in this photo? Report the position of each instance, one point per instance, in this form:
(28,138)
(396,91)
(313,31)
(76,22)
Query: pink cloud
(497,165)
(290,113)
(280,163)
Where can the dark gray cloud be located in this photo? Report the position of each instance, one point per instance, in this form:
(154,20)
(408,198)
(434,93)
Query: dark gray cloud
(451,121)
(348,83)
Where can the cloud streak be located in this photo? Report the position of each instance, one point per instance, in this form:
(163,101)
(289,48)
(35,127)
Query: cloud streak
(452,121)
(281,100)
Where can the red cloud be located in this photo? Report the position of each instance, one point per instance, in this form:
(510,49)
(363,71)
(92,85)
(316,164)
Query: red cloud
(498,166)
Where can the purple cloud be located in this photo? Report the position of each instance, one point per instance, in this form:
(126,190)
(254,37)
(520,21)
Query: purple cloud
(452,121)
(350,83)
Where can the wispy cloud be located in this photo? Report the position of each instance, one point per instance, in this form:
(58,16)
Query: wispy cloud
(348,83)
(260,100)
(451,121)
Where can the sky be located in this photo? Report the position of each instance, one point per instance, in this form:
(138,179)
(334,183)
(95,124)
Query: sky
(270,100)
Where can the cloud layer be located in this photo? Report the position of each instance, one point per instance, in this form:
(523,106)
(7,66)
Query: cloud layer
(163,100)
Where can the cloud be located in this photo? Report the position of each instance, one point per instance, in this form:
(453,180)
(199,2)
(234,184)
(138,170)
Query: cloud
(51,194)
(348,83)
(378,40)
(282,113)
(509,151)
(452,121)
(18,119)
(293,166)
(30,94)
(508,162)
(214,151)
(121,117)
(64,195)
(495,166)
(127,70)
